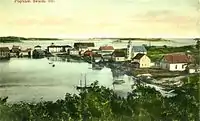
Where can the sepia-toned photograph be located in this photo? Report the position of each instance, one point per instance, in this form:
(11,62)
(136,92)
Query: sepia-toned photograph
(100,60)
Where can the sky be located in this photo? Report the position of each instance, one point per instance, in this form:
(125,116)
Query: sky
(101,18)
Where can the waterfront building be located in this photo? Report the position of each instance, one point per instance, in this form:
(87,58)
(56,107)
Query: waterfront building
(15,51)
(106,50)
(142,60)
(4,53)
(74,52)
(25,53)
(175,62)
(118,56)
(83,45)
(58,48)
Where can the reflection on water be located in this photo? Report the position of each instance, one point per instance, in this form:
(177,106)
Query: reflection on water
(30,79)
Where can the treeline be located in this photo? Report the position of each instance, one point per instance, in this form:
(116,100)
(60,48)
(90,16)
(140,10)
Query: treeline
(43,39)
(145,39)
(19,39)
(102,104)
(11,39)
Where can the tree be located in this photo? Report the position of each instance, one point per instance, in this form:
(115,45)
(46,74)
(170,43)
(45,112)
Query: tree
(197,43)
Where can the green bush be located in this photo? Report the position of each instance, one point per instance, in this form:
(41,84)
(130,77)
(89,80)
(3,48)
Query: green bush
(99,103)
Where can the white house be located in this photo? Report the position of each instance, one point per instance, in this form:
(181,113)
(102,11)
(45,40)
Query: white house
(58,48)
(118,56)
(175,62)
(107,57)
(193,69)
(97,57)
(143,60)
(74,52)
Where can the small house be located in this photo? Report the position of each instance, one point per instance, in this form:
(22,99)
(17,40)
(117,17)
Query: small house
(83,45)
(143,60)
(107,57)
(25,53)
(16,49)
(175,62)
(118,56)
(74,52)
(4,52)
(97,57)
(58,48)
(38,53)
(138,49)
(106,49)
(192,68)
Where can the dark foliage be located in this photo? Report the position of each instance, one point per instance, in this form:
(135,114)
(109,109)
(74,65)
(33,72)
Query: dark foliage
(100,103)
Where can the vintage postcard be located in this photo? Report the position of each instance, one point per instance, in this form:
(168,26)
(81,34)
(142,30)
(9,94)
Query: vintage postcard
(100,60)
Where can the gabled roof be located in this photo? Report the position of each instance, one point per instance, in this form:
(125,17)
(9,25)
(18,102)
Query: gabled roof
(176,58)
(37,46)
(14,46)
(119,54)
(106,48)
(138,56)
(15,50)
(139,49)
(4,49)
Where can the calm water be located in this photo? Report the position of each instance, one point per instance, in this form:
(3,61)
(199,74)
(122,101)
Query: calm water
(33,79)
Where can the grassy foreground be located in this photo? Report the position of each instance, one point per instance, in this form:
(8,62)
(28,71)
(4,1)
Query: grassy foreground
(156,53)
(102,104)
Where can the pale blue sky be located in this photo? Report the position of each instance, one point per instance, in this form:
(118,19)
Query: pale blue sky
(88,18)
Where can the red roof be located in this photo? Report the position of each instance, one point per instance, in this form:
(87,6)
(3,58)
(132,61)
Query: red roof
(106,48)
(88,53)
(177,58)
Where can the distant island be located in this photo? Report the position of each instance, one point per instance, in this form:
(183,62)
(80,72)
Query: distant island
(10,39)
(143,39)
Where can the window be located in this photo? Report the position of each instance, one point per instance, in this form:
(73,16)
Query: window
(175,66)
(183,66)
